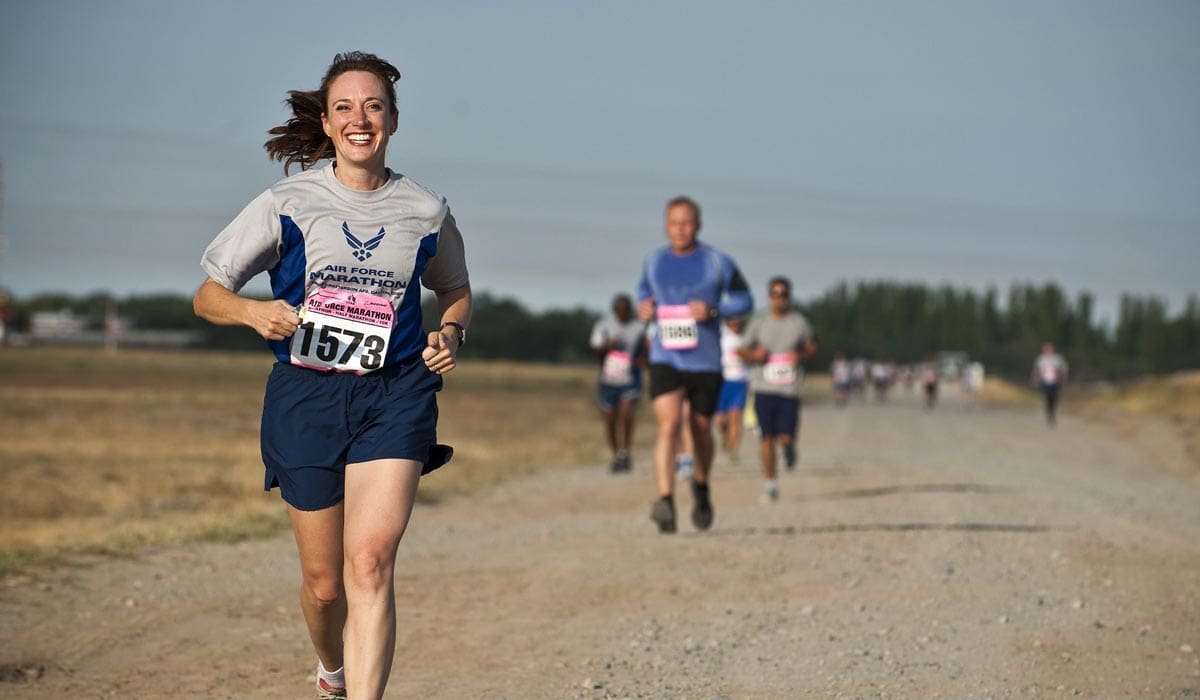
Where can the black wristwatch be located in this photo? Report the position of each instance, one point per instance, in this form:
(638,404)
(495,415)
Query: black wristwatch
(462,332)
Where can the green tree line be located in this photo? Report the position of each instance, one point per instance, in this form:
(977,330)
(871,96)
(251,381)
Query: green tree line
(907,322)
(885,320)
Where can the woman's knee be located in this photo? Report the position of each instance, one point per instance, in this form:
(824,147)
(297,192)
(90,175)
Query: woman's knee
(324,588)
(371,567)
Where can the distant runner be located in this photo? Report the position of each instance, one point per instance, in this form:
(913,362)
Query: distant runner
(735,387)
(883,374)
(929,382)
(1049,374)
(972,380)
(687,287)
(619,343)
(842,381)
(778,342)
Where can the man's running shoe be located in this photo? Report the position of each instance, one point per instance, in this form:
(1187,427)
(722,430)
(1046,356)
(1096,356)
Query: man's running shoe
(789,455)
(684,467)
(621,463)
(770,493)
(663,513)
(702,510)
(328,692)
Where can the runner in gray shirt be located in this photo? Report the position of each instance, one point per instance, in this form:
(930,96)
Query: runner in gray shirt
(778,343)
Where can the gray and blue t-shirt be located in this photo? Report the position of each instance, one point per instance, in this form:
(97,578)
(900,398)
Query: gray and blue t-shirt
(310,231)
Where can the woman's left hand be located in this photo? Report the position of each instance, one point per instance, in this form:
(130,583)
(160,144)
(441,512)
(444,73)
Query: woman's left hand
(439,354)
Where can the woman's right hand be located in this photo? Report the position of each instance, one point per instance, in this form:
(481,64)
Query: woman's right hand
(273,320)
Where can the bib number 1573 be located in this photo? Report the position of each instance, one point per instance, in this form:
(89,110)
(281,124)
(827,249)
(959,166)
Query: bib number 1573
(342,331)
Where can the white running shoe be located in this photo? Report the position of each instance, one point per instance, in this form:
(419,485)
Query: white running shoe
(685,466)
(325,692)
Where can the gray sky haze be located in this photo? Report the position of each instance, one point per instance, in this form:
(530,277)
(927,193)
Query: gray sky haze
(967,143)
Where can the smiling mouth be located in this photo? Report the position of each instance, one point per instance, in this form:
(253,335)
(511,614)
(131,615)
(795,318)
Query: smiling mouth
(359,139)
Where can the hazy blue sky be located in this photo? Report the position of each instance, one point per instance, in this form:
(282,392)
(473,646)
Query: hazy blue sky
(951,141)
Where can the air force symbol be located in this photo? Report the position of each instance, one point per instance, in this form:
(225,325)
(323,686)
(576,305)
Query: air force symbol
(362,250)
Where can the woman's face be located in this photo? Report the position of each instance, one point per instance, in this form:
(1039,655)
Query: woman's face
(358,119)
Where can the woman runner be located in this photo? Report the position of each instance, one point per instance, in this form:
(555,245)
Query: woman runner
(350,412)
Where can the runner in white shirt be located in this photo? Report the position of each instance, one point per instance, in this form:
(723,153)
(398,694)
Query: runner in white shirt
(619,342)
(1049,374)
(842,381)
(735,387)
(972,380)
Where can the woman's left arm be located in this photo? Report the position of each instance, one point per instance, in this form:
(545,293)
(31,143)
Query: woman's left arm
(443,344)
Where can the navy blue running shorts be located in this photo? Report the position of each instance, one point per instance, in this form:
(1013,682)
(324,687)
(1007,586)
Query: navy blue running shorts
(315,423)
(609,396)
(777,415)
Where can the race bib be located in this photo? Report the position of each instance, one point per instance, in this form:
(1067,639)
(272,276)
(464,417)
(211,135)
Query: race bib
(779,370)
(342,331)
(618,368)
(1049,373)
(677,330)
(733,367)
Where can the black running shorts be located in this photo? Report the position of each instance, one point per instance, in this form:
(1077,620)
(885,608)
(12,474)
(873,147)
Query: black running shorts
(700,388)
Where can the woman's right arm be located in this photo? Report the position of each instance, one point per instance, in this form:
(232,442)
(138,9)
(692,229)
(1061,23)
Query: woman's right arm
(273,320)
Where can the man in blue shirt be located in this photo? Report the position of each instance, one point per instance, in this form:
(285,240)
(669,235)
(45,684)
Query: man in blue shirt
(686,288)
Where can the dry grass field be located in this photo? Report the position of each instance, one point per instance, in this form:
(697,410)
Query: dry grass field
(1159,414)
(106,453)
(110,452)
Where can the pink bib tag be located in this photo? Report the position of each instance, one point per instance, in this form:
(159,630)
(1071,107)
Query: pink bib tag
(342,331)
(618,368)
(779,370)
(677,329)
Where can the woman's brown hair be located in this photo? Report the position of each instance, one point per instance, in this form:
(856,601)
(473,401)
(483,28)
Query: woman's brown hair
(302,140)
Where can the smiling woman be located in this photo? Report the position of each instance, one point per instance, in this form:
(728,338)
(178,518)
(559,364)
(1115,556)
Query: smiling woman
(301,141)
(355,341)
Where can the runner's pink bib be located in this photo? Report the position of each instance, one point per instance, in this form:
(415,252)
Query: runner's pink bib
(677,328)
(779,369)
(342,331)
(618,368)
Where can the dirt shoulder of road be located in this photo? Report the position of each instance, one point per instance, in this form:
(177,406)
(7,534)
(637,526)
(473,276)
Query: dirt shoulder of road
(967,551)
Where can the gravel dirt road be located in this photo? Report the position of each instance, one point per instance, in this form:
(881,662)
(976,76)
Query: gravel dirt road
(967,552)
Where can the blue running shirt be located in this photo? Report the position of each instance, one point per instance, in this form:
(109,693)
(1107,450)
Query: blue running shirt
(705,274)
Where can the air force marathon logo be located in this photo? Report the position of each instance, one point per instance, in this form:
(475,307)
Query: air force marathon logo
(362,250)
(362,278)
